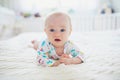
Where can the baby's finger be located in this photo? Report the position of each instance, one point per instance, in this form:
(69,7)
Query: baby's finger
(61,60)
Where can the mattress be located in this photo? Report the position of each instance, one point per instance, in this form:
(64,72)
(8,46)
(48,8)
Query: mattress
(101,52)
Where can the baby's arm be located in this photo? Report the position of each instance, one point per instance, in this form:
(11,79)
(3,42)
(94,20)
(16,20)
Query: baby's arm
(68,61)
(44,60)
(43,57)
(76,60)
(65,56)
(56,63)
(35,44)
(77,55)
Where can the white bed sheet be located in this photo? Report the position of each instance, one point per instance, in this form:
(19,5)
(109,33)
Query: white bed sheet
(102,58)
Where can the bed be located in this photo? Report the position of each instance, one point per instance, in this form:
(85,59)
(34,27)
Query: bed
(102,58)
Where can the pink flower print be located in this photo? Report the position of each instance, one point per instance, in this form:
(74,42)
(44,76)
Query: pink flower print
(42,62)
(52,57)
(41,49)
(39,60)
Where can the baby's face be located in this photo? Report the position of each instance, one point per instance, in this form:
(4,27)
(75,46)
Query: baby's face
(58,29)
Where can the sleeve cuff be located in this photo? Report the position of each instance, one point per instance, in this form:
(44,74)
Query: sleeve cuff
(80,57)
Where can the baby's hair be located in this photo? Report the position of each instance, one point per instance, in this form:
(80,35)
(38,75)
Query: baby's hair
(58,14)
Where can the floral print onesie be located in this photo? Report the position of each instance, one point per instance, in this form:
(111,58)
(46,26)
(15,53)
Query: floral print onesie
(47,55)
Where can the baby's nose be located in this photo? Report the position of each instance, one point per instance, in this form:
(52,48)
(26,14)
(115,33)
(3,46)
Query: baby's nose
(57,33)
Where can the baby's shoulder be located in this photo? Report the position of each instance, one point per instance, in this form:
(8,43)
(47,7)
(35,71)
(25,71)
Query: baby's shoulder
(71,44)
(44,42)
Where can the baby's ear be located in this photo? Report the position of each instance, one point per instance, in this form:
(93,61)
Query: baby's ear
(70,31)
(44,29)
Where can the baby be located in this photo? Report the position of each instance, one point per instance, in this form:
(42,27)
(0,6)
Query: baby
(57,49)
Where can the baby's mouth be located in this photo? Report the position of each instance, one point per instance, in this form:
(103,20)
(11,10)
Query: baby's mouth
(57,40)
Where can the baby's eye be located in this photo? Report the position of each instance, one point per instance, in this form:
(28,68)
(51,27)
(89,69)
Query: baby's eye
(62,30)
(52,30)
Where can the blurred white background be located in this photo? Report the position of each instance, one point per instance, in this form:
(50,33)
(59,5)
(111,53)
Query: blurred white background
(18,16)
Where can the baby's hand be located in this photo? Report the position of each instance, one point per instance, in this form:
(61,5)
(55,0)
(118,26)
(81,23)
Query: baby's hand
(66,61)
(35,44)
(56,63)
(65,56)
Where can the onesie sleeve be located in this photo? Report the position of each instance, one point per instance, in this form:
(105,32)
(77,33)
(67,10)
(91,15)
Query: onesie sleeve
(75,51)
(42,54)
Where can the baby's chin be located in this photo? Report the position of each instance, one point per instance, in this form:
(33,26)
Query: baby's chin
(58,45)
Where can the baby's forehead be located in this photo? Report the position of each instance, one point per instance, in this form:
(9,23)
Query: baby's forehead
(56,16)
